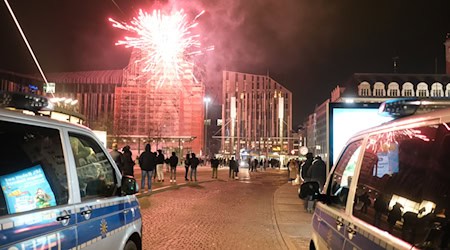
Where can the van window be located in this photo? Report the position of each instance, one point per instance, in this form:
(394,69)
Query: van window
(404,184)
(32,168)
(343,174)
(96,175)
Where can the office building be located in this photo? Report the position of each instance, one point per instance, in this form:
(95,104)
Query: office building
(256,116)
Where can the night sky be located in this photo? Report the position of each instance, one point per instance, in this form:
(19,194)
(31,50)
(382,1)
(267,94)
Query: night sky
(308,46)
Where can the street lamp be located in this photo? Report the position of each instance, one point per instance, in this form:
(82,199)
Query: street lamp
(206,100)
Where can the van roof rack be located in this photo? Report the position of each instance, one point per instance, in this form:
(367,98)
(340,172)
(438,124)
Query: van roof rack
(408,106)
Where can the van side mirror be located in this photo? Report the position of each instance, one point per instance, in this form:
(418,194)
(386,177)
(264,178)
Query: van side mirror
(129,186)
(310,188)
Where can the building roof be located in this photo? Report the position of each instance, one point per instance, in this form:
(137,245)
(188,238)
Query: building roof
(18,78)
(98,76)
(351,85)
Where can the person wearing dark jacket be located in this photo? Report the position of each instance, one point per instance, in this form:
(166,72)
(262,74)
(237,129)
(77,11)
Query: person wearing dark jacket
(187,164)
(159,166)
(318,171)
(128,162)
(173,162)
(214,166)
(305,167)
(232,164)
(117,157)
(394,215)
(147,162)
(194,163)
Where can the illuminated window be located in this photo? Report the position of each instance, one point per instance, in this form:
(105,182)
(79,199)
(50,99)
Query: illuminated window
(393,89)
(378,89)
(437,90)
(422,90)
(364,89)
(408,89)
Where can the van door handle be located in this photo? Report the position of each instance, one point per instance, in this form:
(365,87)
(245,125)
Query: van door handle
(64,217)
(86,212)
(351,230)
(339,223)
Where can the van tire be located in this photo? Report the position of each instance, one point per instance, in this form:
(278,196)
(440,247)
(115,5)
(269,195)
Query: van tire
(130,245)
(311,245)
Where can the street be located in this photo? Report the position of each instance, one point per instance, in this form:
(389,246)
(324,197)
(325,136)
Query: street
(224,214)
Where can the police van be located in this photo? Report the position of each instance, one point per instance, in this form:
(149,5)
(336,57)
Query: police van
(60,188)
(390,188)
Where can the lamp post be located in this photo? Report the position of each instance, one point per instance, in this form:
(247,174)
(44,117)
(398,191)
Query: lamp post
(206,100)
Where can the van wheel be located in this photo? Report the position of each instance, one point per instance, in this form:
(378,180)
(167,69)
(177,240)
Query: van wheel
(130,245)
(311,245)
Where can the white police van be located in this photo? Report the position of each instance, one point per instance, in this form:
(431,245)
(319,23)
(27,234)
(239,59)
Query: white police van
(60,188)
(390,188)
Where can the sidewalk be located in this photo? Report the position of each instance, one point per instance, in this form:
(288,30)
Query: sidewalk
(293,222)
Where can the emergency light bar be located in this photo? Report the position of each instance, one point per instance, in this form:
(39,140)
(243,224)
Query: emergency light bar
(408,106)
(24,101)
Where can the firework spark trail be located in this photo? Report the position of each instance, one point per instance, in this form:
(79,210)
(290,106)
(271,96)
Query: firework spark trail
(166,43)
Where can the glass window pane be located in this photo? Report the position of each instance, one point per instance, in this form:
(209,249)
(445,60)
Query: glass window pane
(343,174)
(96,175)
(404,185)
(32,168)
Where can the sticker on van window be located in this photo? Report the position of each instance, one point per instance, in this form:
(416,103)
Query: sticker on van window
(387,161)
(26,190)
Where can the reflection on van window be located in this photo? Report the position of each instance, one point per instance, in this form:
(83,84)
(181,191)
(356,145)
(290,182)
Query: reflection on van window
(343,174)
(96,175)
(404,185)
(32,168)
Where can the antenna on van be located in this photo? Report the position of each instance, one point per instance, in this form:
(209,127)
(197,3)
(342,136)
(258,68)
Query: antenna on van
(26,42)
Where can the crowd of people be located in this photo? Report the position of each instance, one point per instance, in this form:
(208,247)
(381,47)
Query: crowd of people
(310,169)
(152,166)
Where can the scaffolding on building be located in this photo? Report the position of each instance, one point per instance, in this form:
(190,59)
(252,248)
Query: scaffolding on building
(168,114)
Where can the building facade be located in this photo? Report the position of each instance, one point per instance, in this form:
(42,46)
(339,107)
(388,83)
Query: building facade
(256,116)
(371,89)
(374,88)
(132,108)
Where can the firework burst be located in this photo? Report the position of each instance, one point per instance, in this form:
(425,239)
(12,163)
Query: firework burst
(167,44)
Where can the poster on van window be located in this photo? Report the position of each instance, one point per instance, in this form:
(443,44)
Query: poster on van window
(26,190)
(387,161)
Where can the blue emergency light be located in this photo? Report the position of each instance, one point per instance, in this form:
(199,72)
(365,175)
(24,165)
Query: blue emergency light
(24,101)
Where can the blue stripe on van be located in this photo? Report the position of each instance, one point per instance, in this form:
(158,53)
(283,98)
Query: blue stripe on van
(30,230)
(111,218)
(64,239)
(52,231)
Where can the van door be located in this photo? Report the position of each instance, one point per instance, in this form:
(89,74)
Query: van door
(101,211)
(34,199)
(333,220)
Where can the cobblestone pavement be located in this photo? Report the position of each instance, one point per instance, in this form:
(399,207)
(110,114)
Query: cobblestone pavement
(222,214)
